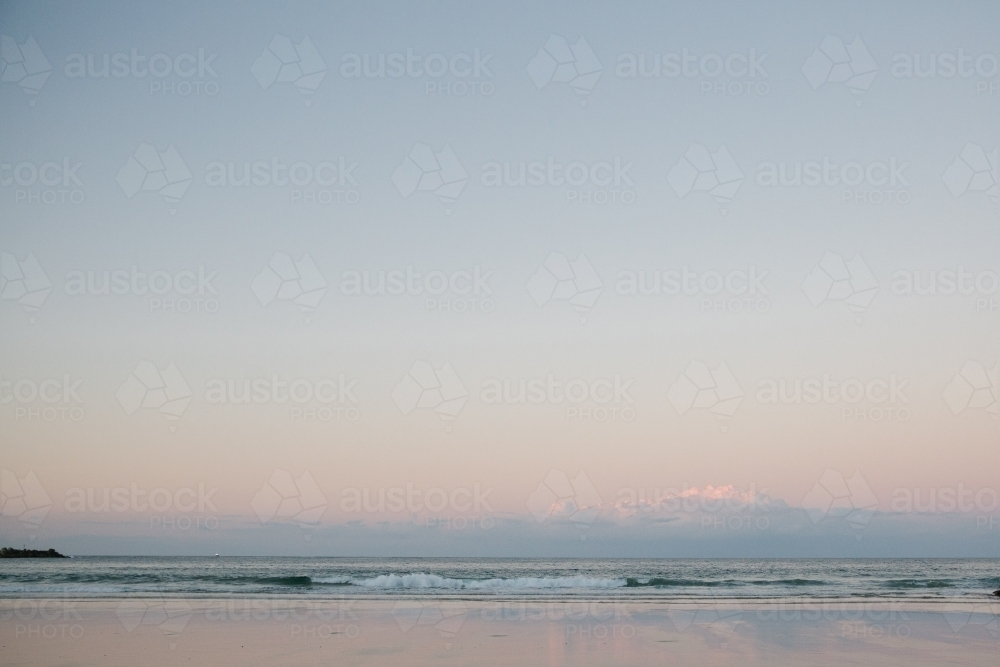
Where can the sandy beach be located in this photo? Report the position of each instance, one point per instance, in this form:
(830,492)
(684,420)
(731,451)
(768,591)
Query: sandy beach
(416,632)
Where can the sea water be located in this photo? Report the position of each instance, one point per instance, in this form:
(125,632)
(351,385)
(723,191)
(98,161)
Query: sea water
(669,579)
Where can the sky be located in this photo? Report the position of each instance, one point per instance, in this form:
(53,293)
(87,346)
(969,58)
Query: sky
(509,279)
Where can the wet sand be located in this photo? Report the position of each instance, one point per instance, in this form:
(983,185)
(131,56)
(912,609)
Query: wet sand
(419,632)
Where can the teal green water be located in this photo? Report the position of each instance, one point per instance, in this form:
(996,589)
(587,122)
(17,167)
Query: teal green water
(345,577)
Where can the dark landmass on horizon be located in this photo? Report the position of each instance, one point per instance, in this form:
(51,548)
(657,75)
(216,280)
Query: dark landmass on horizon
(8,552)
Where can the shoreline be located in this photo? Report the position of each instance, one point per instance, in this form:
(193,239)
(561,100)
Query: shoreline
(651,604)
(122,632)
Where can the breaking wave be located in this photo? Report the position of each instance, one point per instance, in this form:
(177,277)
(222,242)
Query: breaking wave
(434,581)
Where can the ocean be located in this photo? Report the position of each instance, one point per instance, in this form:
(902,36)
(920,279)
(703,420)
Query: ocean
(666,579)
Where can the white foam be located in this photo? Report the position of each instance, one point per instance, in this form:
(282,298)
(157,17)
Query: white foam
(435,581)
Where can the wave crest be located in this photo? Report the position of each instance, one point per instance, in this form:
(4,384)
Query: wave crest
(427,581)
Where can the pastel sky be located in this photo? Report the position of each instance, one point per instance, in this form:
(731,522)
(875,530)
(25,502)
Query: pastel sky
(752,263)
